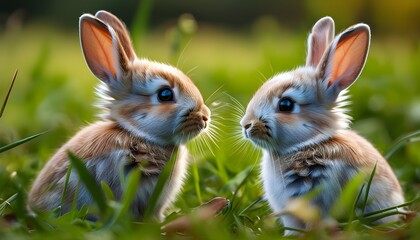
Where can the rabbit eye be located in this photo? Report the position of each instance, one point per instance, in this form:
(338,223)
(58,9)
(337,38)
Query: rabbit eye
(165,95)
(286,105)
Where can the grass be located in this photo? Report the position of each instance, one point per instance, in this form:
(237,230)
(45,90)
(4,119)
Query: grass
(54,93)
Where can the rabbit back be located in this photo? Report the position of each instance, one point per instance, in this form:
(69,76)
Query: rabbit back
(149,109)
(298,118)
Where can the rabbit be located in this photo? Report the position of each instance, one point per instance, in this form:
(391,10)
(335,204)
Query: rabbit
(298,119)
(150,108)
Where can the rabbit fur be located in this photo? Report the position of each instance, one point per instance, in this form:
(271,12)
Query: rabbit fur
(149,109)
(298,119)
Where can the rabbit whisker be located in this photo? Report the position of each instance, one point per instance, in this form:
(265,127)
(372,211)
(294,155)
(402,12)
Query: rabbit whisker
(189,72)
(182,53)
(263,79)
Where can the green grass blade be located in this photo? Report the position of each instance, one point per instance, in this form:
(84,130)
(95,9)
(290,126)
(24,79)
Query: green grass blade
(411,137)
(392,208)
(17,143)
(74,202)
(66,184)
(344,205)
(369,184)
(82,212)
(163,178)
(252,204)
(349,226)
(235,199)
(141,21)
(6,203)
(131,185)
(89,181)
(130,189)
(221,170)
(370,220)
(196,177)
(8,93)
(358,198)
(353,213)
(107,191)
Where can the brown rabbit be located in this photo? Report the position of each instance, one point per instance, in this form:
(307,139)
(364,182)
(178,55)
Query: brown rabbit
(150,108)
(298,120)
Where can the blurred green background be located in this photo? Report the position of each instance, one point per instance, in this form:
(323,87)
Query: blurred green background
(233,45)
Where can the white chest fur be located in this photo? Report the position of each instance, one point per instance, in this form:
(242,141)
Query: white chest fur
(282,183)
(174,182)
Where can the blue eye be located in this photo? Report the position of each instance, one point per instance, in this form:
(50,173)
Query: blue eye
(286,105)
(165,95)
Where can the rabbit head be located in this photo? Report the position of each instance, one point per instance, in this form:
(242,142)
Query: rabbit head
(152,100)
(302,107)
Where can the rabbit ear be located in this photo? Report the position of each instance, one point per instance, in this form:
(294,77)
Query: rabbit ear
(319,39)
(120,29)
(102,49)
(345,59)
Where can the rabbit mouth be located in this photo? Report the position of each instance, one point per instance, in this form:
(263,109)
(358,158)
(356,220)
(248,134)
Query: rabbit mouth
(191,128)
(192,124)
(194,127)
(259,135)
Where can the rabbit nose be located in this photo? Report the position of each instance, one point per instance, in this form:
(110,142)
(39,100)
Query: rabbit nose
(246,129)
(205,119)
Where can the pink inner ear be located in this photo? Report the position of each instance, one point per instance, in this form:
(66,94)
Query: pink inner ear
(349,58)
(98,49)
(318,41)
(319,45)
(121,32)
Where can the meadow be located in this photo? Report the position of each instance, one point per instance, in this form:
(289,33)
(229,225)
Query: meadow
(54,94)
